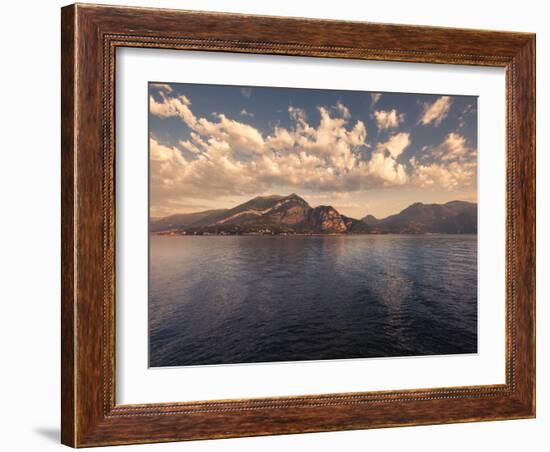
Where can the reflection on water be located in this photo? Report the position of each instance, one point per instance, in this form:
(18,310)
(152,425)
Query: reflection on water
(239,299)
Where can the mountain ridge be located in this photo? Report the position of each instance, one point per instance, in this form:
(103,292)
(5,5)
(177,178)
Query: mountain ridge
(276,214)
(453,217)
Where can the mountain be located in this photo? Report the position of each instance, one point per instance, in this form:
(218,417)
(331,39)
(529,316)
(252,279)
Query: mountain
(183,220)
(455,217)
(261,215)
(284,210)
(274,215)
(293,215)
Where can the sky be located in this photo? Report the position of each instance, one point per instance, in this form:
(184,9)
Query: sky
(216,146)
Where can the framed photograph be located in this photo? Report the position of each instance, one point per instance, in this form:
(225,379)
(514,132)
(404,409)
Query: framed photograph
(278,225)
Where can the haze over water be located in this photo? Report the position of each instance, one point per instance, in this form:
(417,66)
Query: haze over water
(245,299)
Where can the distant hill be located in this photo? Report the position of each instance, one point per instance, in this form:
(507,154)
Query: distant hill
(455,217)
(293,215)
(182,220)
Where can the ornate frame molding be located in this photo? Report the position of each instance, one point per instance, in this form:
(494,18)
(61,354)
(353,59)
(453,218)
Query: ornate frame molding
(90,37)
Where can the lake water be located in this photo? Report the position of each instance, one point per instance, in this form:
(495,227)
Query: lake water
(244,299)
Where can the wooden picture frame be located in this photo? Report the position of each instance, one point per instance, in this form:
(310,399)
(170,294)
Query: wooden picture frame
(90,36)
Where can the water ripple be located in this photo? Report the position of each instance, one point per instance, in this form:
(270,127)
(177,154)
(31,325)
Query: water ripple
(217,300)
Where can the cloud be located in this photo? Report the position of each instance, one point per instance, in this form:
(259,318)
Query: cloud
(435,113)
(343,110)
(165,154)
(375,97)
(462,118)
(383,163)
(246,92)
(162,87)
(452,176)
(386,169)
(454,166)
(223,157)
(454,148)
(236,134)
(388,119)
(172,106)
(226,157)
(397,144)
(297,114)
(245,112)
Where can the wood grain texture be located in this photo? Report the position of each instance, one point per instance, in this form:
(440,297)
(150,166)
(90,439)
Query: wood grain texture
(68,147)
(90,36)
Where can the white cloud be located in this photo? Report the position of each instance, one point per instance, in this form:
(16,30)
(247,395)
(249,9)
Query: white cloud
(160,153)
(162,87)
(462,118)
(454,167)
(228,157)
(388,119)
(343,110)
(297,114)
(451,176)
(225,157)
(245,112)
(383,163)
(172,106)
(397,144)
(237,134)
(454,148)
(436,112)
(190,146)
(386,169)
(375,97)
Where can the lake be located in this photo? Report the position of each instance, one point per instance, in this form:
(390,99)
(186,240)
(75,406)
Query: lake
(246,299)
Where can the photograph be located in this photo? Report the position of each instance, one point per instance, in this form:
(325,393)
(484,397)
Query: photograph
(276,220)
(295,224)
